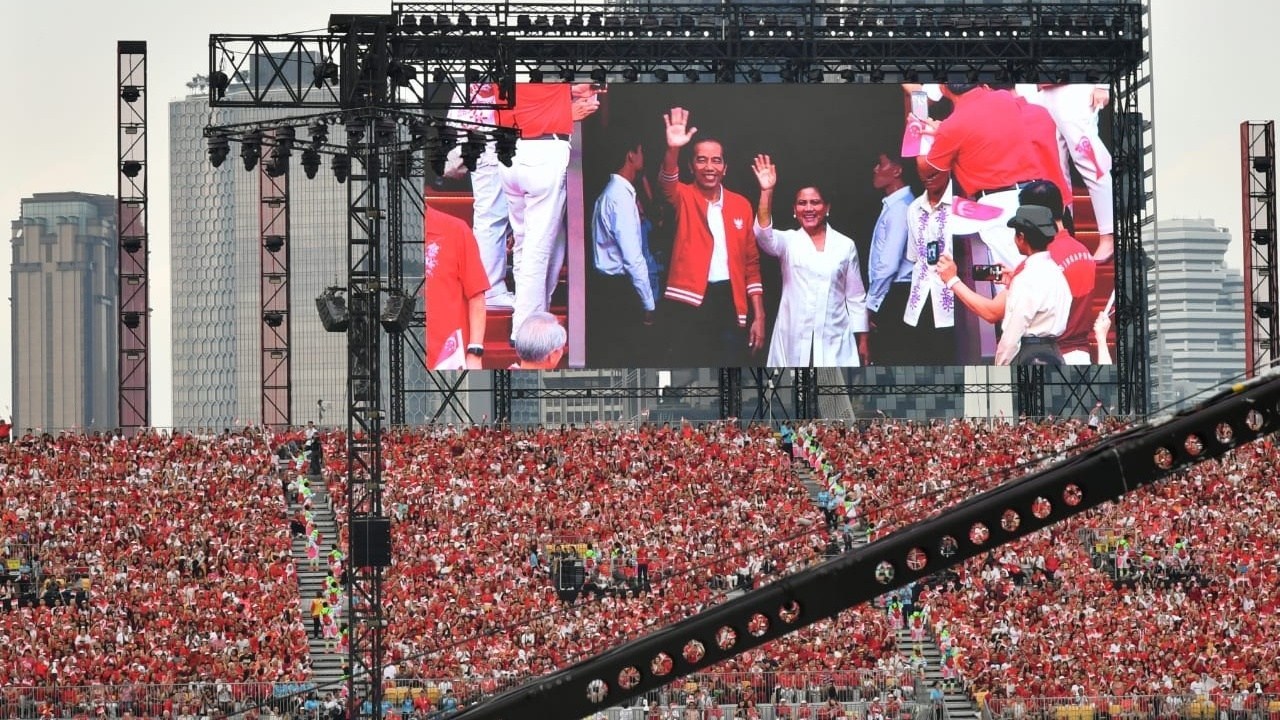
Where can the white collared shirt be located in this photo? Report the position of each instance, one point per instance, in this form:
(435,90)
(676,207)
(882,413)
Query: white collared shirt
(719,271)
(1038,304)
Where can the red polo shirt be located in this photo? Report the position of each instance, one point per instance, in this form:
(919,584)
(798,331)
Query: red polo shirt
(453,274)
(984,142)
(540,109)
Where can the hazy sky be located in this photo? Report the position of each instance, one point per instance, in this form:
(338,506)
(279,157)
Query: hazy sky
(59,130)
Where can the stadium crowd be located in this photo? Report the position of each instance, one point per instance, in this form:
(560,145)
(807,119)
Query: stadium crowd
(167,559)
(161,559)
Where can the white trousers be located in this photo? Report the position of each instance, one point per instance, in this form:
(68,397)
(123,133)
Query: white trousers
(489,220)
(1078,141)
(535,191)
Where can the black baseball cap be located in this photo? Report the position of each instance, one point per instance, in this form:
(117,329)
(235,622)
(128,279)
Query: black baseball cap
(1034,217)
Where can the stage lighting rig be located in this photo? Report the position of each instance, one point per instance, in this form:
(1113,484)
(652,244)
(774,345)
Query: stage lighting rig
(251,149)
(310,162)
(219,82)
(324,73)
(505,145)
(219,148)
(472,149)
(341,164)
(332,306)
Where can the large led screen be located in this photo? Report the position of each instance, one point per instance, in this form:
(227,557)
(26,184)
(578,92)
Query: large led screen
(777,225)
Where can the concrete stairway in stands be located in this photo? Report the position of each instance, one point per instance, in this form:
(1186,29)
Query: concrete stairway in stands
(958,705)
(326,664)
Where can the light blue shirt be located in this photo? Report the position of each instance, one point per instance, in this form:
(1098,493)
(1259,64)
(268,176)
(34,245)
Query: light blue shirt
(888,263)
(617,241)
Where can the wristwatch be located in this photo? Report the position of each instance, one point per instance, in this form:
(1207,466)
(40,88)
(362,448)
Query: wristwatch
(477,350)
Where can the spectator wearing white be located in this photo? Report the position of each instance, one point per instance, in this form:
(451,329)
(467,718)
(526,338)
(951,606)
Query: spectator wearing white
(1039,298)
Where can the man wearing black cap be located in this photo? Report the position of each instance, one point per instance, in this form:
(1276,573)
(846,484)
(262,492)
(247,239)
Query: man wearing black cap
(1039,299)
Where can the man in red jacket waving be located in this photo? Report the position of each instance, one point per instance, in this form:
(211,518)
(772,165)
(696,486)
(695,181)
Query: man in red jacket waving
(714,281)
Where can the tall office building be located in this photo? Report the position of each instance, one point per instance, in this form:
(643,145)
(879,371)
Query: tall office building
(64,312)
(216,244)
(1197,311)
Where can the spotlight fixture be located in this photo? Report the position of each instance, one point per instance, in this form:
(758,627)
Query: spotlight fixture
(535,75)
(692,75)
(504,145)
(448,136)
(660,74)
(436,159)
(341,167)
(273,318)
(273,243)
(131,168)
(132,320)
(409,24)
(755,76)
(310,162)
(251,149)
(877,75)
(219,82)
(332,307)
(725,74)
(787,73)
(1264,310)
(325,72)
(472,75)
(599,75)
(817,74)
(910,75)
(400,74)
(472,149)
(848,75)
(1262,164)
(219,147)
(417,134)
(567,75)
(439,76)
(131,244)
(318,131)
(1262,237)
(630,74)
(130,93)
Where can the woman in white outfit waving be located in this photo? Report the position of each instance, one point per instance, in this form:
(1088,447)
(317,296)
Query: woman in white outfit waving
(822,317)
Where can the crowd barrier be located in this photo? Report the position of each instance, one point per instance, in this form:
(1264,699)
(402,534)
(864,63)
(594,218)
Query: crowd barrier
(799,689)
(1231,706)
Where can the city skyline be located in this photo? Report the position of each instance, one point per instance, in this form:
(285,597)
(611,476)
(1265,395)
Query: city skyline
(62,136)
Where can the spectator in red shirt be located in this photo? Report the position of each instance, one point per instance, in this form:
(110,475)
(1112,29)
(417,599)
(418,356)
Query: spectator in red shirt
(454,284)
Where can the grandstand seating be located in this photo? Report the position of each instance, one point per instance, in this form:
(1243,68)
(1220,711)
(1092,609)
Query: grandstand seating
(185,541)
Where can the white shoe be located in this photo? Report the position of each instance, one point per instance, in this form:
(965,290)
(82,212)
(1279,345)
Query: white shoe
(503,299)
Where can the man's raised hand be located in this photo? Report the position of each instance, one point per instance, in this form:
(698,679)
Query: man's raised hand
(678,131)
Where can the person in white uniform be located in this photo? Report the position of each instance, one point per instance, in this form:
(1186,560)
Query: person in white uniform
(822,316)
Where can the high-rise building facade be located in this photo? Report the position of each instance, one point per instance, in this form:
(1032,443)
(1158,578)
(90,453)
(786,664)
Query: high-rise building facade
(64,312)
(216,232)
(1197,311)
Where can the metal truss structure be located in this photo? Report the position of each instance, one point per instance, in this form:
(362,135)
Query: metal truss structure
(1258,190)
(133,311)
(389,78)
(273,254)
(1114,467)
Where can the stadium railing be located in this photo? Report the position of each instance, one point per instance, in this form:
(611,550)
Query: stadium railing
(1133,707)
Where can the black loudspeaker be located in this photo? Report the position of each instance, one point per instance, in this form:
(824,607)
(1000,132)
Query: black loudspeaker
(397,312)
(371,542)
